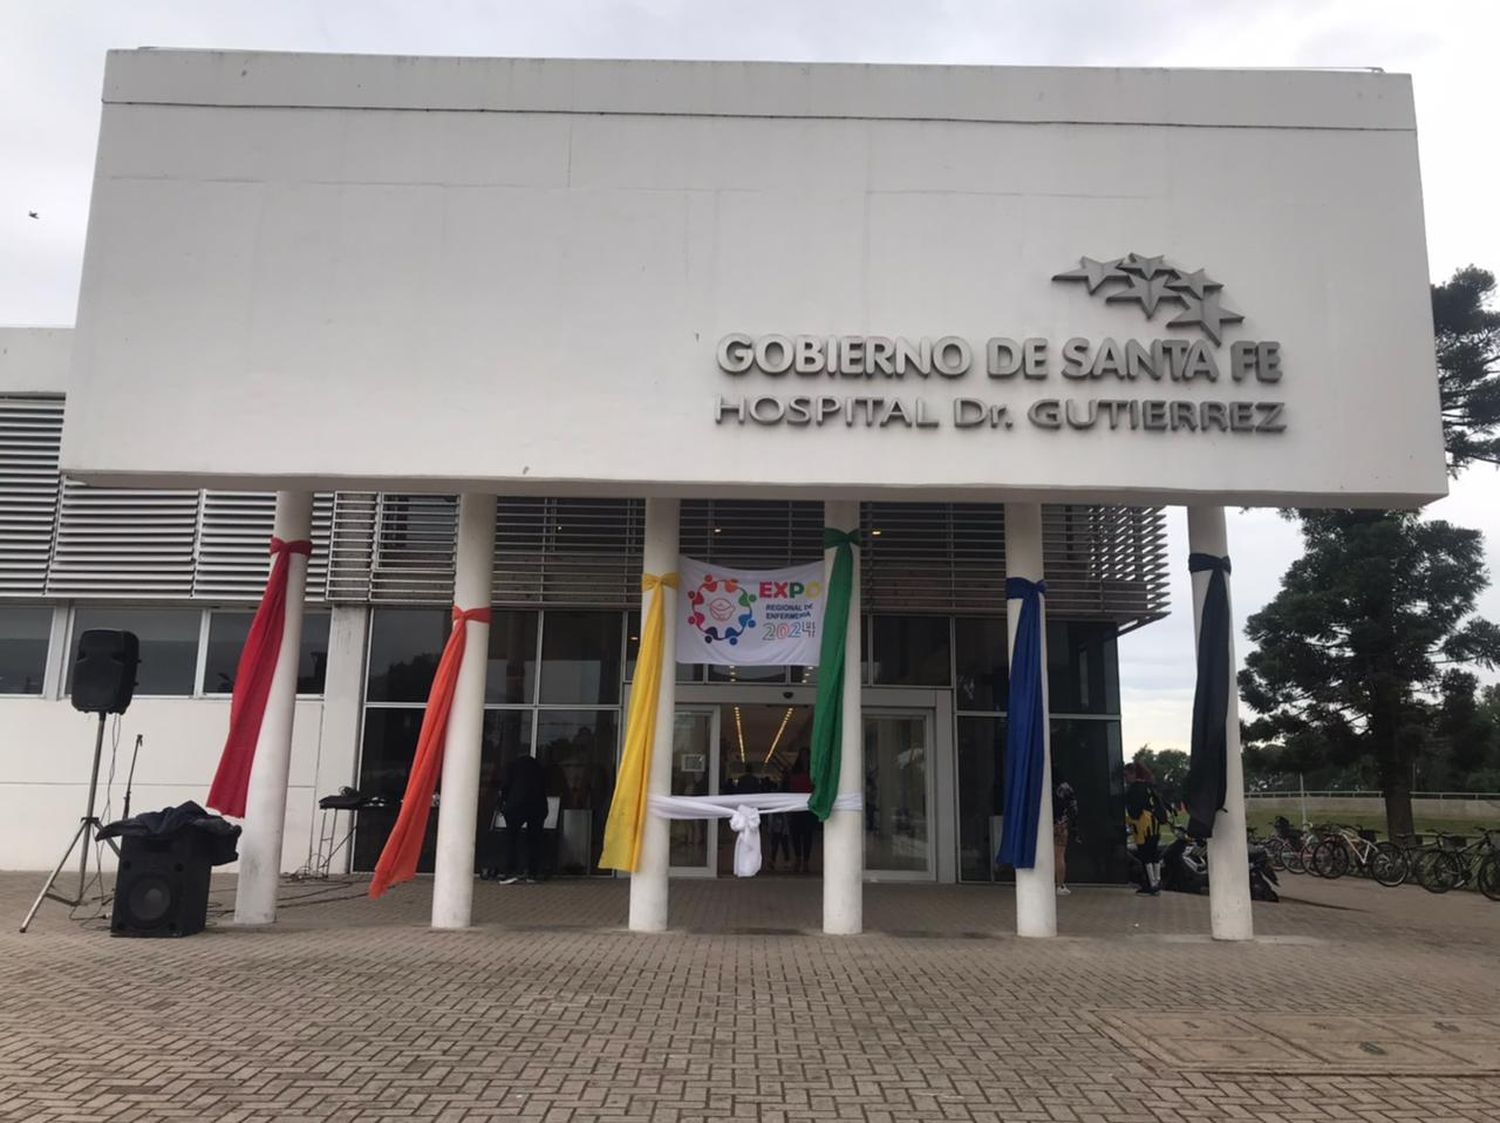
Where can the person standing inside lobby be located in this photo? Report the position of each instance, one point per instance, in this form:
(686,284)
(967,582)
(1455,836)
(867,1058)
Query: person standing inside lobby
(1064,815)
(799,781)
(523,802)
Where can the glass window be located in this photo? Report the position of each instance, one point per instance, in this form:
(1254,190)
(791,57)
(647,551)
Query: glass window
(168,639)
(1087,754)
(405,646)
(24,631)
(1083,675)
(896,792)
(581,658)
(510,676)
(226,640)
(910,650)
(686,672)
(507,735)
(390,742)
(577,751)
(980,648)
(981,795)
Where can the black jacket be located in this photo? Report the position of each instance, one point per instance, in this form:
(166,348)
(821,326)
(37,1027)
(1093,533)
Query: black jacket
(523,789)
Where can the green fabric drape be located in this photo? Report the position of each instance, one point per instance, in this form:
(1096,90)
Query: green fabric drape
(828,710)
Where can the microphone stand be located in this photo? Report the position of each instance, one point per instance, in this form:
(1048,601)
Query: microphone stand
(135,752)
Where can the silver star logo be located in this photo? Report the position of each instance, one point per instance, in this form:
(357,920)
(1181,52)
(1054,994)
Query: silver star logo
(1147,292)
(1207,314)
(1150,281)
(1093,273)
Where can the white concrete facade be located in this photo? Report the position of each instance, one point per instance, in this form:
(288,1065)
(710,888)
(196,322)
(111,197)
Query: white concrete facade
(599,228)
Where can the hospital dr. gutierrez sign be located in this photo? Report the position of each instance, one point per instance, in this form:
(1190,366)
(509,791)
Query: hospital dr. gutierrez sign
(1110,383)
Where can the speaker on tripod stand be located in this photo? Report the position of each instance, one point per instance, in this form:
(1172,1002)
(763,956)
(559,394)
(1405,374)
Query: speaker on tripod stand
(103,684)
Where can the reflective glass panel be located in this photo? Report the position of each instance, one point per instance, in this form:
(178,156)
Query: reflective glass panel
(577,750)
(980,645)
(896,761)
(227,631)
(405,646)
(168,639)
(910,650)
(581,658)
(24,631)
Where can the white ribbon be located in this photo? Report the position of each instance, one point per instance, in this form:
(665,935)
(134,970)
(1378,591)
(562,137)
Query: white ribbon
(743,813)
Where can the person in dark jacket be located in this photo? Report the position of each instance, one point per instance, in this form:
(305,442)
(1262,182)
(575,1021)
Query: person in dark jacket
(523,802)
(1144,814)
(1064,819)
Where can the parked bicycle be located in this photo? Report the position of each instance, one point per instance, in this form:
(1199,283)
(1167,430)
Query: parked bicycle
(1347,848)
(1452,865)
(1285,838)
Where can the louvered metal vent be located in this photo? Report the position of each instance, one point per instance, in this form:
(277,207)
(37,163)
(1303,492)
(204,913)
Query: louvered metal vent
(116,542)
(30,435)
(1105,562)
(233,541)
(752,533)
(351,545)
(591,551)
(933,557)
(561,552)
(1101,563)
(415,537)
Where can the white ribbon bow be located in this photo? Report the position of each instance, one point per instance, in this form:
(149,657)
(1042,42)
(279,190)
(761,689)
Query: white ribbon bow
(745,821)
(743,813)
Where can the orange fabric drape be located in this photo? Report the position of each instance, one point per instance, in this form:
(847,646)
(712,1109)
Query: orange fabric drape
(398,861)
(252,684)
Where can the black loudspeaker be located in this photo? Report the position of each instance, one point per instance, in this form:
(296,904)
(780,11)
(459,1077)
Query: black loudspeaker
(162,886)
(104,672)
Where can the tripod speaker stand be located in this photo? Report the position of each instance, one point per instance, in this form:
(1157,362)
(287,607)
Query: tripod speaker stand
(103,683)
(84,837)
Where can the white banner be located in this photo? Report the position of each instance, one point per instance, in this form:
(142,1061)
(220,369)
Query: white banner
(749,618)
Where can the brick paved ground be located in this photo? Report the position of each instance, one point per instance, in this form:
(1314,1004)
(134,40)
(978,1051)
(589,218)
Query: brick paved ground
(1359,1004)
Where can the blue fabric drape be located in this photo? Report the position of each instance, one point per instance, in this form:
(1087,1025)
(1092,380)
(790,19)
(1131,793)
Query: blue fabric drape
(1025,729)
(1208,761)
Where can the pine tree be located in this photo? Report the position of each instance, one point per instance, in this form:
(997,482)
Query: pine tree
(1367,622)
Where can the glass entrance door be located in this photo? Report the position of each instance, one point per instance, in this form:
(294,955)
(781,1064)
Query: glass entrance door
(695,771)
(898,793)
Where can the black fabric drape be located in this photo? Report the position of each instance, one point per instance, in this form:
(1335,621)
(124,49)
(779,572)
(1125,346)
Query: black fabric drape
(1208,765)
(215,834)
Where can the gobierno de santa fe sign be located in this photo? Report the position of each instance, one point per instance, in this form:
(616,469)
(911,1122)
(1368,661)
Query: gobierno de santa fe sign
(1103,384)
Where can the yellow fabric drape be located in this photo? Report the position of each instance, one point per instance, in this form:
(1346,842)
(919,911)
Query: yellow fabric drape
(627,810)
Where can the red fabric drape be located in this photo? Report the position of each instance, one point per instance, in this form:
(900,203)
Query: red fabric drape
(252,684)
(398,861)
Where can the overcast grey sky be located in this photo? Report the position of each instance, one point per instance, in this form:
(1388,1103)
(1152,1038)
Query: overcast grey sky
(52,54)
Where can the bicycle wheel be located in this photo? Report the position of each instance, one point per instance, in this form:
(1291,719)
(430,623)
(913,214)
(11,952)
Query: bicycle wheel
(1306,855)
(1331,859)
(1291,859)
(1489,877)
(1273,848)
(1388,864)
(1440,873)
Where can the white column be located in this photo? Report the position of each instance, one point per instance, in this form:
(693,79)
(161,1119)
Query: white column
(648,885)
(265,800)
(458,801)
(1228,850)
(1036,896)
(843,833)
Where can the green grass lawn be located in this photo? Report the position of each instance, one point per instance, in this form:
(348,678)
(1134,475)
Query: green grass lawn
(1262,822)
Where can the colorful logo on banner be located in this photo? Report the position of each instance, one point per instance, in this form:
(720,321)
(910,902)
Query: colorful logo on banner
(749,618)
(722,609)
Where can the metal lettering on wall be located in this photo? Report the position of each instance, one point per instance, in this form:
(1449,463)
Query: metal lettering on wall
(1240,377)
